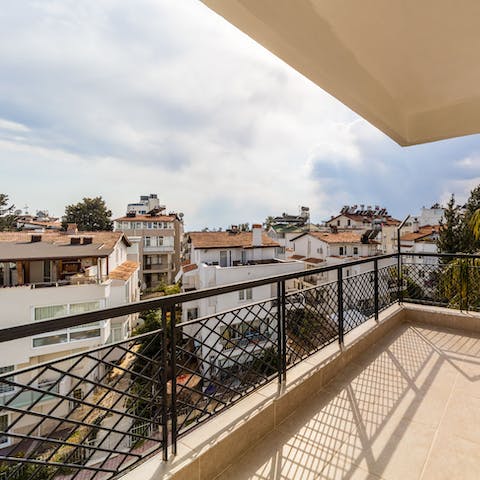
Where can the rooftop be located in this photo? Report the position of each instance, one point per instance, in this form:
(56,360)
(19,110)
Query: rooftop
(227,239)
(423,232)
(340,237)
(56,245)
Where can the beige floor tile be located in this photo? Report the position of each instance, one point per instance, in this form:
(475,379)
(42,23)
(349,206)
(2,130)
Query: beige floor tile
(462,417)
(451,458)
(395,453)
(338,473)
(280,457)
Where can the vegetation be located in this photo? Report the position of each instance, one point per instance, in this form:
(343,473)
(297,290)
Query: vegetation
(8,221)
(91,214)
(451,234)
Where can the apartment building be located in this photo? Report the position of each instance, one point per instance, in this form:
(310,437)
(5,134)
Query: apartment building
(360,217)
(222,258)
(158,236)
(285,227)
(420,240)
(330,248)
(52,274)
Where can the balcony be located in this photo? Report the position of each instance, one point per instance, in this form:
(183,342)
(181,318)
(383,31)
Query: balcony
(370,376)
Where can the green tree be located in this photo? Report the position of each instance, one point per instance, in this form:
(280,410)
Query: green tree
(91,214)
(8,221)
(450,239)
(269,221)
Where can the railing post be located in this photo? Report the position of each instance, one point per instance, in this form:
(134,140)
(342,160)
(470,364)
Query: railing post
(163,382)
(173,368)
(399,278)
(375,287)
(340,305)
(282,332)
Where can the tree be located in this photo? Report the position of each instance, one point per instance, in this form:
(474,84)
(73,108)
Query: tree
(8,221)
(91,214)
(450,239)
(269,221)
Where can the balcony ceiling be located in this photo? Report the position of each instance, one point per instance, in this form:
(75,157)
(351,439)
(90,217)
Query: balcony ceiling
(409,67)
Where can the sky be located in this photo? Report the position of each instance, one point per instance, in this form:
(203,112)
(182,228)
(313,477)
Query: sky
(120,99)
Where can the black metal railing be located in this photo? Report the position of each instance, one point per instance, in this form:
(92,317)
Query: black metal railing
(98,412)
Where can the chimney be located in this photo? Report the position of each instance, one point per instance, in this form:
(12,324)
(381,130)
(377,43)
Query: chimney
(256,235)
(72,229)
(415,226)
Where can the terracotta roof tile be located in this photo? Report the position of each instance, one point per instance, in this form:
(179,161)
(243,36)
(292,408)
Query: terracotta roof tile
(124,271)
(313,260)
(189,267)
(297,257)
(424,231)
(227,239)
(340,237)
(107,239)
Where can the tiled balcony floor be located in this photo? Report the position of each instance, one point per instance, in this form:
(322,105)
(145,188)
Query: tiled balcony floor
(407,409)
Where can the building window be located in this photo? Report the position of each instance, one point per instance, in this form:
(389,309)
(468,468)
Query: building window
(245,294)
(338,223)
(80,332)
(192,313)
(4,439)
(320,250)
(355,250)
(349,222)
(46,271)
(341,251)
(148,241)
(6,387)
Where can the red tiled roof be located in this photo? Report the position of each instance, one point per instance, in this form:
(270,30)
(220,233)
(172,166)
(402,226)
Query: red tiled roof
(228,239)
(297,257)
(189,267)
(424,231)
(313,260)
(340,237)
(124,271)
(107,239)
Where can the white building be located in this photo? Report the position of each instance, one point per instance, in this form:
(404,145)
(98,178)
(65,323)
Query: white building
(48,275)
(359,217)
(158,236)
(317,249)
(420,240)
(222,258)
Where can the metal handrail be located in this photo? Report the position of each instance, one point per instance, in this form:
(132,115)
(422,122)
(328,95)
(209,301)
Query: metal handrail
(20,331)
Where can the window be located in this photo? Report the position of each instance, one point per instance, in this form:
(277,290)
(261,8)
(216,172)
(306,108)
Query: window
(4,439)
(148,241)
(355,250)
(338,223)
(341,251)
(51,311)
(6,387)
(77,395)
(245,294)
(349,222)
(192,313)
(149,225)
(46,271)
(80,332)
(232,335)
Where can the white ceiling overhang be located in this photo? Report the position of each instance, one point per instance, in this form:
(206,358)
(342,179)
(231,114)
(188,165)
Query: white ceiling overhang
(410,67)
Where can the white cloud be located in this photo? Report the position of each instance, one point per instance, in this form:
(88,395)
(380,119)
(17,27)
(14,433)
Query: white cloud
(124,98)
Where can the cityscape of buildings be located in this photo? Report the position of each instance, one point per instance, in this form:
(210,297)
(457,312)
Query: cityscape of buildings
(48,272)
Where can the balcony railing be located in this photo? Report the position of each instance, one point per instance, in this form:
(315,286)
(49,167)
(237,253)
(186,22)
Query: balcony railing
(115,405)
